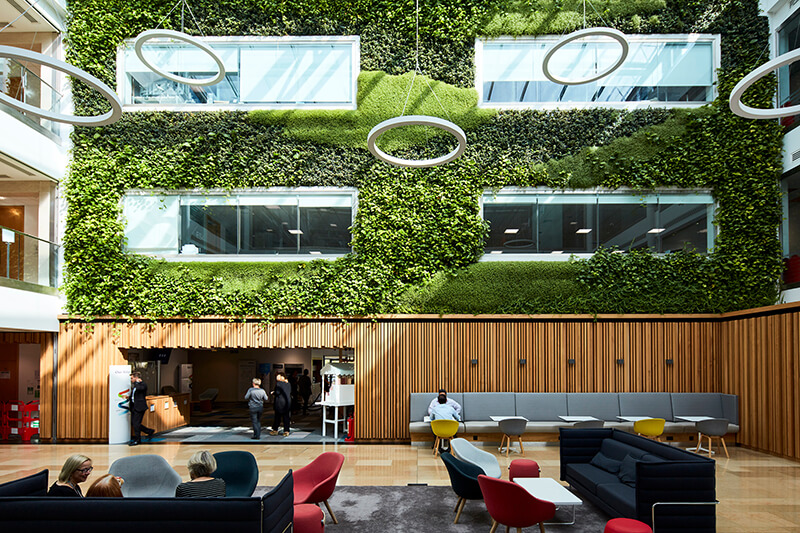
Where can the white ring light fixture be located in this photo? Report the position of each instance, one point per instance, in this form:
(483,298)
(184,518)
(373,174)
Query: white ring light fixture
(188,39)
(735,102)
(112,116)
(581,34)
(416,120)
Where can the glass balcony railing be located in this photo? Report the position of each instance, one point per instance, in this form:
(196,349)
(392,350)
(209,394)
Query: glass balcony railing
(26,85)
(27,258)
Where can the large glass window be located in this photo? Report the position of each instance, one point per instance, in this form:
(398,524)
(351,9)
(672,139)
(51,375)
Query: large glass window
(316,72)
(790,229)
(789,76)
(302,221)
(659,70)
(525,221)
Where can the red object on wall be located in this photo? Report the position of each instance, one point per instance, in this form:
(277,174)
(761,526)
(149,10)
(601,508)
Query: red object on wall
(792,272)
(350,427)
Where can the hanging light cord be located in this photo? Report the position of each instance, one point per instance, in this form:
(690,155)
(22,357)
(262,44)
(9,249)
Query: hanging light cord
(184,5)
(418,70)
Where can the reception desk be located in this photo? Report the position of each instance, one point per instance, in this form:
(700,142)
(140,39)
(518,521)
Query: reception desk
(167,412)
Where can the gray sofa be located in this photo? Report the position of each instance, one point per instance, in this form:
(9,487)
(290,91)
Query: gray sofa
(543,409)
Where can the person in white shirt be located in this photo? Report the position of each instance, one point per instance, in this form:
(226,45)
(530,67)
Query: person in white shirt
(443,410)
(452,403)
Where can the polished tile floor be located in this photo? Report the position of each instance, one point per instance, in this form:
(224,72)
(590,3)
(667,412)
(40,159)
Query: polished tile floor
(757,492)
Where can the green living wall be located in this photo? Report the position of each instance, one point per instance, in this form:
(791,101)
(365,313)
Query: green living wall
(418,235)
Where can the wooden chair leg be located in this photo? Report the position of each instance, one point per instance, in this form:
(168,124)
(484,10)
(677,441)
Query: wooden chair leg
(709,446)
(461,508)
(521,449)
(508,445)
(330,511)
(494,526)
(436,446)
(541,527)
(457,504)
(724,447)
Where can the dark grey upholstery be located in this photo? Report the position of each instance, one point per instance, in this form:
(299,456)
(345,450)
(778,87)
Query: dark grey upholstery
(541,406)
(278,505)
(146,475)
(480,406)
(602,405)
(730,408)
(716,427)
(652,404)
(697,404)
(33,485)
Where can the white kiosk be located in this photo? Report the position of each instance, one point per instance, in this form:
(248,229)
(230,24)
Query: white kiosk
(119,419)
(336,394)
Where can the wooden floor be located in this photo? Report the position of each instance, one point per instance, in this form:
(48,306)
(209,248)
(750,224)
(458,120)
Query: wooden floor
(757,492)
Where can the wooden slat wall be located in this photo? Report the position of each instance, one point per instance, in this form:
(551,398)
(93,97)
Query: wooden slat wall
(399,355)
(761,363)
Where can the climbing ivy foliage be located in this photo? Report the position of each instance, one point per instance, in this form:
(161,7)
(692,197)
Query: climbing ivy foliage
(418,232)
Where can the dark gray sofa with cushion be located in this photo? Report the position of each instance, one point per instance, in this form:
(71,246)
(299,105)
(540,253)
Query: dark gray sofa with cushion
(543,409)
(625,474)
(25,508)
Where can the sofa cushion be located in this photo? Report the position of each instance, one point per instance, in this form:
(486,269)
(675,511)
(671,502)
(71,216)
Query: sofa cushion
(479,406)
(602,405)
(590,476)
(617,451)
(620,496)
(730,408)
(545,427)
(420,427)
(652,404)
(604,462)
(697,404)
(627,470)
(480,427)
(541,406)
(33,485)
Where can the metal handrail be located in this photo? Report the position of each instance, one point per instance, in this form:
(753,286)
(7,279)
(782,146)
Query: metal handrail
(29,235)
(653,509)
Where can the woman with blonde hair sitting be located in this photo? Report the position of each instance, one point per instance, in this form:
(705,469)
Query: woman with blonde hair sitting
(76,470)
(107,486)
(202,485)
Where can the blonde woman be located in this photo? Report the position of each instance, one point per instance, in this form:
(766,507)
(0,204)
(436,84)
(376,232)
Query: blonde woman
(202,485)
(76,470)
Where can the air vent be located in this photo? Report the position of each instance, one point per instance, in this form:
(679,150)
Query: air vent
(23,11)
(795,155)
(5,177)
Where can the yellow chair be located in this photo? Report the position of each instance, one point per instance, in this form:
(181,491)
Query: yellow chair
(443,428)
(652,428)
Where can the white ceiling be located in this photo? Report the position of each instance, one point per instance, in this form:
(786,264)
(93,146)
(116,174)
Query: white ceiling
(32,21)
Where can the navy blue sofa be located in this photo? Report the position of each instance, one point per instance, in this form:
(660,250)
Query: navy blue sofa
(624,475)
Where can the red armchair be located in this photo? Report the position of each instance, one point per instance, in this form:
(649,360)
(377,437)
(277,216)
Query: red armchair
(314,483)
(513,506)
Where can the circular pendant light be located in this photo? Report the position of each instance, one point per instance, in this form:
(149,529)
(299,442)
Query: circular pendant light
(581,34)
(735,101)
(145,36)
(416,120)
(112,116)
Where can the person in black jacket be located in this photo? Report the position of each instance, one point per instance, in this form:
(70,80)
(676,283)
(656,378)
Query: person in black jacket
(282,404)
(304,387)
(138,406)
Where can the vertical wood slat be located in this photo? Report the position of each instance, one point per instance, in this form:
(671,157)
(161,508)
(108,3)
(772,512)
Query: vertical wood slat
(754,356)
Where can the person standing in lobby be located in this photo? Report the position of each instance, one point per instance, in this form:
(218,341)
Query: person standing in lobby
(138,406)
(282,404)
(304,386)
(256,396)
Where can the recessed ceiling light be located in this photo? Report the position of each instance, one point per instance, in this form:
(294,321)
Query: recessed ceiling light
(703,231)
(656,230)
(511,231)
(296,231)
(573,223)
(584,230)
(496,252)
(557,252)
(334,225)
(314,252)
(618,252)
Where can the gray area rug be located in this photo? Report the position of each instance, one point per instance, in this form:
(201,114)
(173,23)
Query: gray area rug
(429,508)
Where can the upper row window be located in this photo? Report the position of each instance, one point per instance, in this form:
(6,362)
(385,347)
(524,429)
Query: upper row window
(666,70)
(260,72)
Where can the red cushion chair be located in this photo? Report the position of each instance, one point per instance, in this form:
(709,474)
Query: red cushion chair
(308,518)
(314,483)
(512,506)
(523,468)
(626,525)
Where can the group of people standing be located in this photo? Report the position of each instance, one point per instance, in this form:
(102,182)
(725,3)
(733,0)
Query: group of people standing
(285,400)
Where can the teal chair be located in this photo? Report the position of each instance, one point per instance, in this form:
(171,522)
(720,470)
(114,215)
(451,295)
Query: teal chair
(239,470)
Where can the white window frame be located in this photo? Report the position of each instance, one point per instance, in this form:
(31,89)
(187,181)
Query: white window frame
(552,39)
(529,195)
(299,196)
(123,83)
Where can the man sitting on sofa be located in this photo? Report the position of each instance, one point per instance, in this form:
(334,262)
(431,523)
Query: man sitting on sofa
(452,403)
(443,410)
